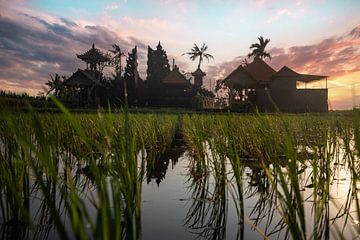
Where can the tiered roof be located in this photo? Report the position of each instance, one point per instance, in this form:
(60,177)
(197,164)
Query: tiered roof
(93,55)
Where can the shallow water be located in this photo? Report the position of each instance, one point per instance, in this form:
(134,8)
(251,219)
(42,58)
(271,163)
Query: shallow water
(171,210)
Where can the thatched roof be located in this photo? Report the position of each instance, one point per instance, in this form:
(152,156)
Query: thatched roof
(176,78)
(251,75)
(259,73)
(240,78)
(81,78)
(93,55)
(260,70)
(286,72)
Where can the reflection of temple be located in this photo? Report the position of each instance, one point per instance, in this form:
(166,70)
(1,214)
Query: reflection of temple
(157,167)
(89,80)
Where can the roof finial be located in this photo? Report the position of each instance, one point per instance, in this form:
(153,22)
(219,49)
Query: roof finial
(173,66)
(93,46)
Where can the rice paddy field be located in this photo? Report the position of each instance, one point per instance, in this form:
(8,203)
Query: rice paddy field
(179,176)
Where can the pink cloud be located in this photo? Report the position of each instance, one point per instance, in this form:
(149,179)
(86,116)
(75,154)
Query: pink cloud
(279,14)
(334,56)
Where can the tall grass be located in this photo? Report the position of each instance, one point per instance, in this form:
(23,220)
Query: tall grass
(86,170)
(295,153)
(52,152)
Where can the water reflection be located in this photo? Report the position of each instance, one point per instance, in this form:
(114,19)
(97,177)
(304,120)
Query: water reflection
(157,165)
(222,202)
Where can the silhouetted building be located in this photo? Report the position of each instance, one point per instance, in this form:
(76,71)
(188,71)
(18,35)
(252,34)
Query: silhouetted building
(166,87)
(89,81)
(175,90)
(163,87)
(258,85)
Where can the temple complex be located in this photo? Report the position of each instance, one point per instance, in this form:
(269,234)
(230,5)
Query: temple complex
(88,80)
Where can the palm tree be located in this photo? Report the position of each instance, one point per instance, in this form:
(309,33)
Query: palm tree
(258,49)
(56,85)
(199,52)
(116,60)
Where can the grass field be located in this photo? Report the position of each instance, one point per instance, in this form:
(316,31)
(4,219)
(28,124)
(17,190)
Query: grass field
(49,161)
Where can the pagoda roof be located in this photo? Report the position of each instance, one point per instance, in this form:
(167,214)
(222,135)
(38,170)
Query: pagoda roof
(289,73)
(176,78)
(94,55)
(81,78)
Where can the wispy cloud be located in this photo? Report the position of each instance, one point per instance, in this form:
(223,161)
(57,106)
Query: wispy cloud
(259,3)
(333,56)
(279,14)
(112,6)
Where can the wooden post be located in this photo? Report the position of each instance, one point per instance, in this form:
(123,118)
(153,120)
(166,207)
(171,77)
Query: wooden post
(326,82)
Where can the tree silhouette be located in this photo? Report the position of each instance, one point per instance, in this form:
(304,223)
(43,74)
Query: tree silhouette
(157,65)
(56,85)
(197,52)
(258,49)
(131,76)
(117,90)
(116,59)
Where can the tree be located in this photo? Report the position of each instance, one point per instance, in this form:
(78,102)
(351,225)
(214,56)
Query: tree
(116,59)
(158,65)
(117,91)
(197,52)
(131,76)
(56,86)
(258,49)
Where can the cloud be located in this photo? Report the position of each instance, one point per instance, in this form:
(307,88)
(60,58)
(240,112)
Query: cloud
(111,6)
(258,3)
(149,23)
(33,47)
(333,56)
(68,22)
(279,14)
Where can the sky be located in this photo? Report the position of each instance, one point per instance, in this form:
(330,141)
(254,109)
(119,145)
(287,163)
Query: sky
(42,37)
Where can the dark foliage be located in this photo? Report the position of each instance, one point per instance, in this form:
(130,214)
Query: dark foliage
(131,77)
